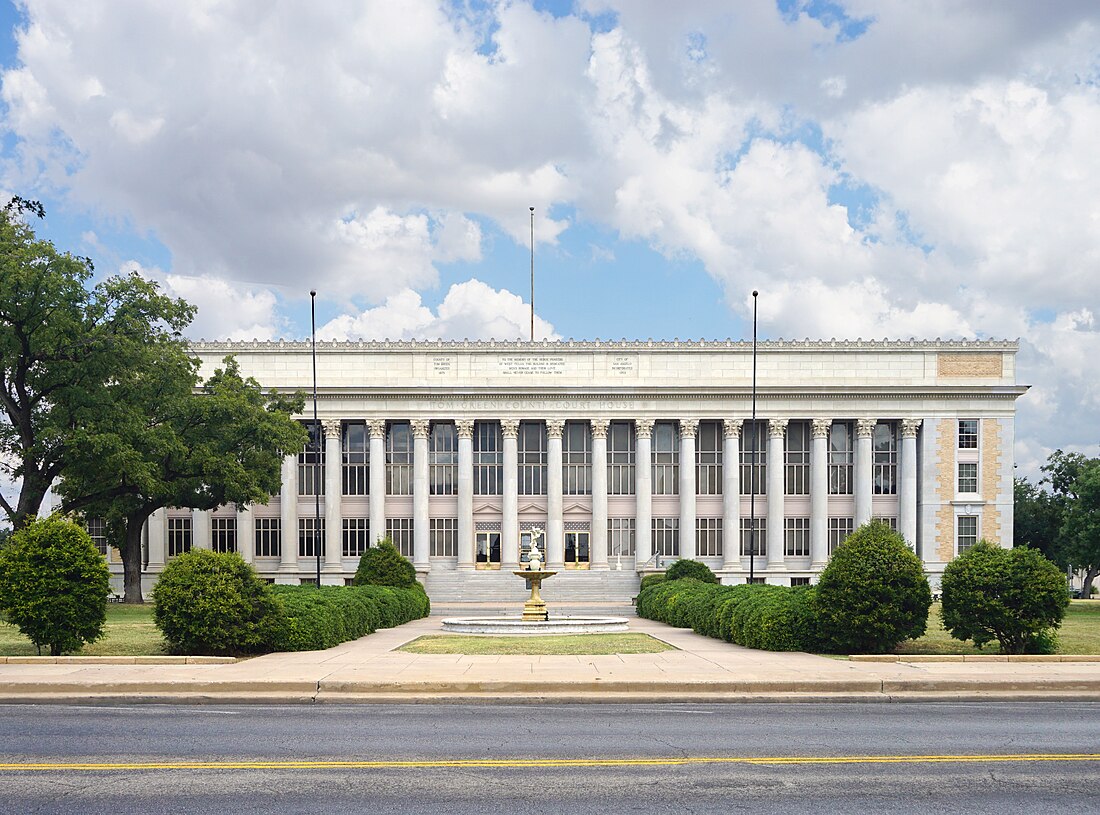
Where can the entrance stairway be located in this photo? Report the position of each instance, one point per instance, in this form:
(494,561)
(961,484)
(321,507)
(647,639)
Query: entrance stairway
(566,593)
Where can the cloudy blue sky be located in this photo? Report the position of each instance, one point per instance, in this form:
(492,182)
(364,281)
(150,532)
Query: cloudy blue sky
(875,169)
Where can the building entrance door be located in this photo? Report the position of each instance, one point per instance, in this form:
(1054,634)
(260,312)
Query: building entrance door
(576,550)
(488,550)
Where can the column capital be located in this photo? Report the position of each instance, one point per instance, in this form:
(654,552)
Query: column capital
(732,428)
(865,428)
(777,428)
(465,428)
(377,428)
(909,428)
(599,428)
(554,428)
(332,428)
(643,428)
(420,428)
(688,428)
(821,428)
(509,428)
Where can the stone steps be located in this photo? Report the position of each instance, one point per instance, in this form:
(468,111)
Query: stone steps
(504,587)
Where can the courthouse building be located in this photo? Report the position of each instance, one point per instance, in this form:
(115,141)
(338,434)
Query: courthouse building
(626,455)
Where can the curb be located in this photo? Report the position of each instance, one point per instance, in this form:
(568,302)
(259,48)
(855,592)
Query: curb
(894,658)
(138,660)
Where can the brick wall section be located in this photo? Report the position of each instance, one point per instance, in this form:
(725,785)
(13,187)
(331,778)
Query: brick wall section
(945,490)
(991,477)
(969,364)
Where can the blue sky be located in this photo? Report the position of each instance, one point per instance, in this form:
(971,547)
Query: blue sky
(874,169)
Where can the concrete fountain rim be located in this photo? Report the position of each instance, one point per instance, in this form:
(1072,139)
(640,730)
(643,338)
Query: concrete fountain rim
(555,625)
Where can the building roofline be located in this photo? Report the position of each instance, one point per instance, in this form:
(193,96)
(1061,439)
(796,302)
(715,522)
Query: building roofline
(570,345)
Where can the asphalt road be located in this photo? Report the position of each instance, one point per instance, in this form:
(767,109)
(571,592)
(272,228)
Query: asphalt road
(793,758)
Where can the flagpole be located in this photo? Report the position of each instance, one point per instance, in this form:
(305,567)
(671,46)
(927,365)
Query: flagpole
(532,273)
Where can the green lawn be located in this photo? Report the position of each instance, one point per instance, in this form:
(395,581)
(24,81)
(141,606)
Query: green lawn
(565,644)
(1079,634)
(130,632)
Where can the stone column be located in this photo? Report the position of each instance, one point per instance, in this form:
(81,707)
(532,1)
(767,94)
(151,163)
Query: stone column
(643,491)
(158,539)
(377,470)
(246,536)
(688,428)
(421,523)
(334,488)
(907,494)
(865,432)
(509,527)
(288,515)
(819,493)
(598,531)
(731,494)
(777,431)
(555,522)
(465,428)
(200,529)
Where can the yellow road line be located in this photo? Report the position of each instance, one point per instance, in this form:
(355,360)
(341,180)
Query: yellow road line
(504,763)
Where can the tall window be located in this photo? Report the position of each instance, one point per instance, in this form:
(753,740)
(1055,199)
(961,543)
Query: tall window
(443,459)
(268,535)
(223,534)
(890,520)
(97,531)
(488,458)
(179,536)
(531,446)
(443,533)
(576,459)
(796,536)
(620,537)
(841,458)
(839,530)
(708,537)
(311,537)
(400,531)
(620,458)
(399,458)
(754,467)
(968,434)
(356,536)
(797,453)
(968,477)
(885,470)
(756,543)
(708,459)
(355,447)
(311,462)
(968,532)
(666,456)
(666,537)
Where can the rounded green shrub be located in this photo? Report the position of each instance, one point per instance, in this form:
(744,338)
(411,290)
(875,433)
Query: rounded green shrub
(651,580)
(54,585)
(383,565)
(1014,596)
(872,595)
(690,568)
(213,603)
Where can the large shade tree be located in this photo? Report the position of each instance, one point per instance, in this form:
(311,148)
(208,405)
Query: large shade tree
(1080,530)
(63,342)
(169,441)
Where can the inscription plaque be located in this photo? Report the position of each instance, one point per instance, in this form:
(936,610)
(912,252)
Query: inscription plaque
(531,366)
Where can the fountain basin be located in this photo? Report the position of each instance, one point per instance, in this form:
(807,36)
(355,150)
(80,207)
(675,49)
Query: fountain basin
(554,625)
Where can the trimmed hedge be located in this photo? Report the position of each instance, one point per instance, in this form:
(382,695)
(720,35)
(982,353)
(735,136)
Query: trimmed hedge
(384,565)
(690,568)
(651,580)
(316,619)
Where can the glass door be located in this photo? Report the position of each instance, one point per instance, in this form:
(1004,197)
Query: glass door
(488,550)
(576,550)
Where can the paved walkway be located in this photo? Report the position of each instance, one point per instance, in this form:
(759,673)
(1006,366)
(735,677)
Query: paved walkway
(701,669)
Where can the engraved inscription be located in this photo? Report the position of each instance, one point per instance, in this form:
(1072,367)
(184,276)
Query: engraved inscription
(623,364)
(442,365)
(969,364)
(530,365)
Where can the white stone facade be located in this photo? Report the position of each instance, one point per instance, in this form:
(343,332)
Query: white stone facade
(459,449)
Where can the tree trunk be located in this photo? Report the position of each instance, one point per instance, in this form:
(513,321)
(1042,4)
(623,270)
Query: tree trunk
(1086,586)
(131,557)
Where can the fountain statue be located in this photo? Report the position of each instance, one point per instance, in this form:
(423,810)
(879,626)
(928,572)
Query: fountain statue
(534,574)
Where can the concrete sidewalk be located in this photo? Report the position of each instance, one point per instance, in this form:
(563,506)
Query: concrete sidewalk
(702,669)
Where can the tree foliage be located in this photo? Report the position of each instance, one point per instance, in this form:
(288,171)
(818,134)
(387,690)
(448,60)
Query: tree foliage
(1080,530)
(1015,596)
(873,594)
(1037,518)
(383,565)
(690,568)
(54,585)
(62,345)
